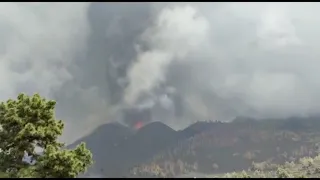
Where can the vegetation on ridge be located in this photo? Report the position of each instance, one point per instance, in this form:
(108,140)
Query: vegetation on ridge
(305,167)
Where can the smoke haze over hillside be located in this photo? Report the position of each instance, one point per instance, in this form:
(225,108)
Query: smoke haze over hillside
(185,61)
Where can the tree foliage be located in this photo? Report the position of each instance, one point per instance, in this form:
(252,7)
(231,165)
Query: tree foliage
(28,123)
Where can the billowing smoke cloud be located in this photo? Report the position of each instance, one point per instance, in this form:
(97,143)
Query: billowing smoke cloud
(182,61)
(249,59)
(176,32)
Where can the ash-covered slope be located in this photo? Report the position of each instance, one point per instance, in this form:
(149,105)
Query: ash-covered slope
(150,139)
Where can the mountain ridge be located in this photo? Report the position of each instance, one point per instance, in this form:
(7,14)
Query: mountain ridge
(204,147)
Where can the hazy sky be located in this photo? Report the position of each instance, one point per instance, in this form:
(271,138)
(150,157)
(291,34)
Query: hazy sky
(210,60)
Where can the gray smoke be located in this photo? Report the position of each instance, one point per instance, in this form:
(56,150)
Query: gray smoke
(231,59)
(175,33)
(182,61)
(39,43)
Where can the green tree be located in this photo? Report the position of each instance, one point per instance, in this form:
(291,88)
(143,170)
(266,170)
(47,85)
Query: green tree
(283,173)
(241,174)
(27,123)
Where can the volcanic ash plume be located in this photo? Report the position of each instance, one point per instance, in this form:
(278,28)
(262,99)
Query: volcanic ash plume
(230,59)
(182,61)
(176,32)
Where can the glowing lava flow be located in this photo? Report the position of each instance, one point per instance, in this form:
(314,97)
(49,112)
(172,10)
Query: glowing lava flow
(138,125)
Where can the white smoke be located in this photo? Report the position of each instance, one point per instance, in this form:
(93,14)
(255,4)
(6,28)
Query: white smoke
(177,32)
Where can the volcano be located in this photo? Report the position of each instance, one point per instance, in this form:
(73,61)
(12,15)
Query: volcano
(138,125)
(117,148)
(136,118)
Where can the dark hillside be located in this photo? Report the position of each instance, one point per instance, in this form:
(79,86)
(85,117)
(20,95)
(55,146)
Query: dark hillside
(226,147)
(103,143)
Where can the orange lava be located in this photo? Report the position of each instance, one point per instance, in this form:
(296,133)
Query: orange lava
(138,125)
